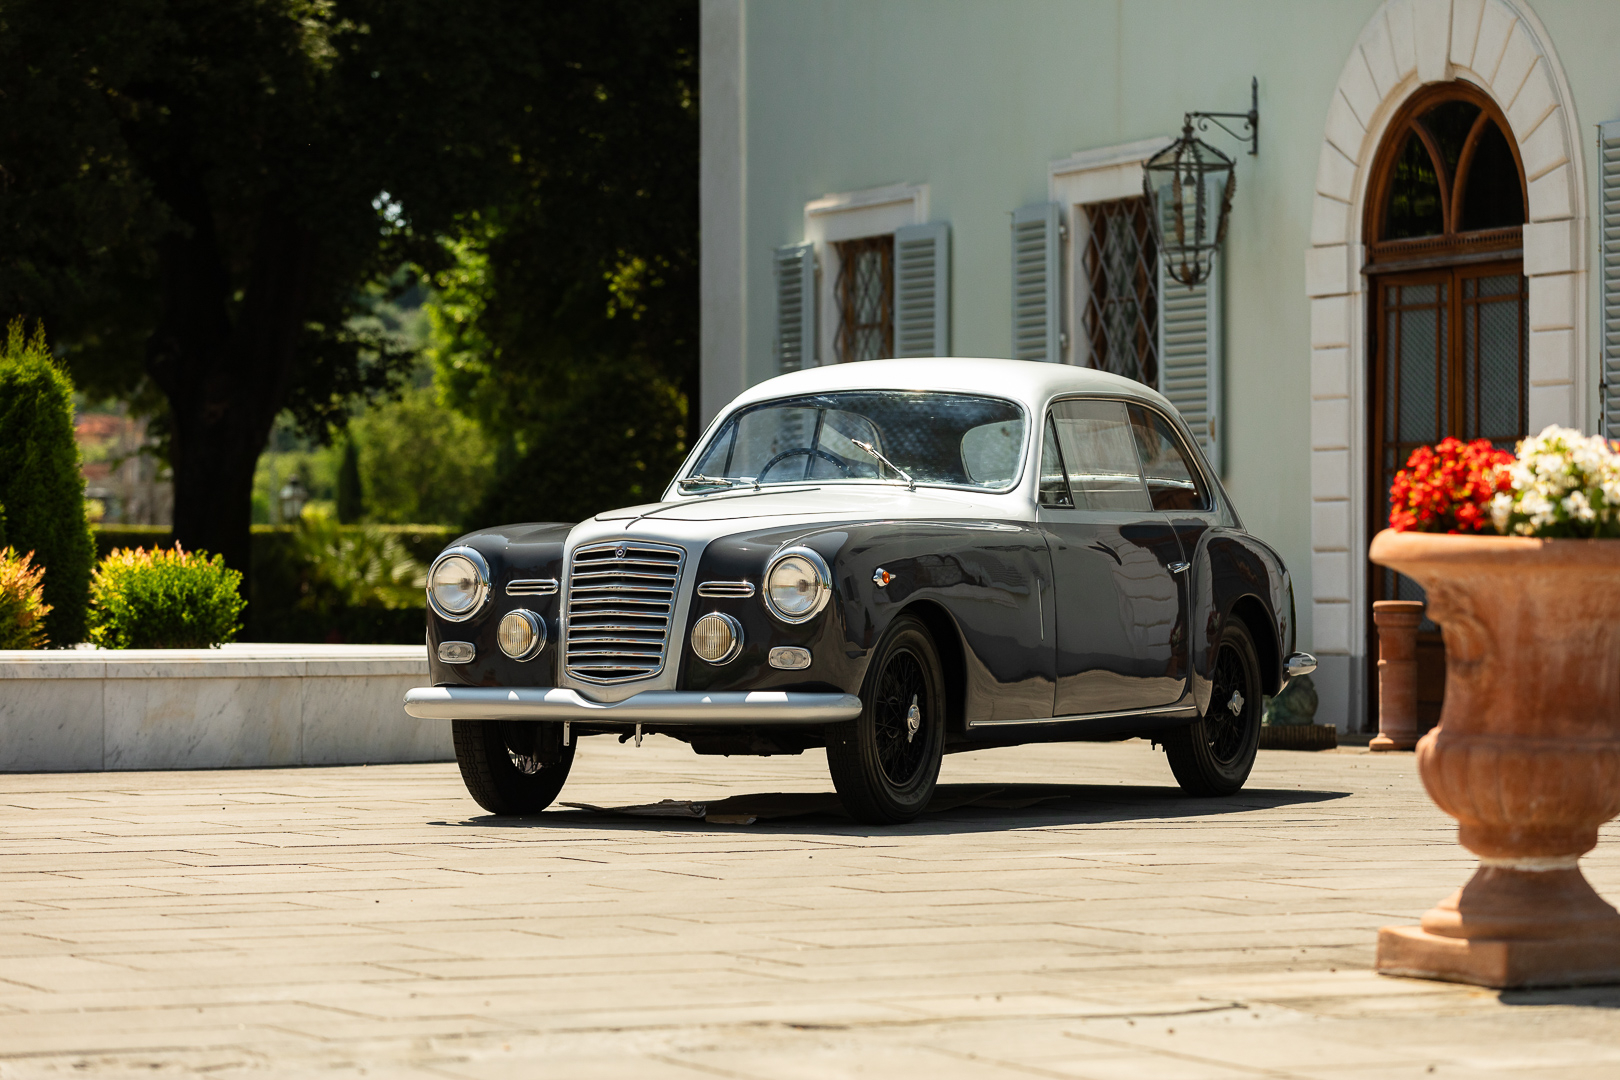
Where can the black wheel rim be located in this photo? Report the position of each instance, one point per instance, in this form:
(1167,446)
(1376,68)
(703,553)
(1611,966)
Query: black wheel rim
(1232,704)
(902,734)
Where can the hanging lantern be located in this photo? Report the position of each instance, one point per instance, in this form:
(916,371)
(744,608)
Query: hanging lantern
(1189,191)
(1188,186)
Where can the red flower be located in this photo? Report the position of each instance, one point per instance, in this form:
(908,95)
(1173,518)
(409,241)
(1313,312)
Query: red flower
(1448,488)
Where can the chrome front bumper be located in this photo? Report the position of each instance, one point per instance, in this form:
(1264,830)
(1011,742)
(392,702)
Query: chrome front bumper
(662,707)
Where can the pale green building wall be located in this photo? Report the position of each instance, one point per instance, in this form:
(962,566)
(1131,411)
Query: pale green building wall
(977,99)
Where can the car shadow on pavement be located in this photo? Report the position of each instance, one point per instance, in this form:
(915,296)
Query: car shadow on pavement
(1590,997)
(955,808)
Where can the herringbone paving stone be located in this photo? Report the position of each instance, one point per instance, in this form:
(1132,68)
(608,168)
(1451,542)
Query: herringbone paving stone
(1064,912)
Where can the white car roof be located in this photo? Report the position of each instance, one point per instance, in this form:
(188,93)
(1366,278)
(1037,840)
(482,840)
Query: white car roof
(1031,382)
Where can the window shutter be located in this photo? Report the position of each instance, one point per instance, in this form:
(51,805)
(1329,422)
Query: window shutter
(922,290)
(1609,247)
(1190,355)
(1035,304)
(796,306)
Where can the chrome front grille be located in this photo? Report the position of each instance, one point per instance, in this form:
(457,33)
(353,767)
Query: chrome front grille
(621,607)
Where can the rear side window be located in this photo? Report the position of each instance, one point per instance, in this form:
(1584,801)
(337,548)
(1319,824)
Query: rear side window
(1098,447)
(1172,481)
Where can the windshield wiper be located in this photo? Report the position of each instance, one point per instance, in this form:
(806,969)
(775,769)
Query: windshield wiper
(870,449)
(700,480)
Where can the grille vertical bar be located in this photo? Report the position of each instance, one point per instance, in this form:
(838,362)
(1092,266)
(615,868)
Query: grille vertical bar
(620,609)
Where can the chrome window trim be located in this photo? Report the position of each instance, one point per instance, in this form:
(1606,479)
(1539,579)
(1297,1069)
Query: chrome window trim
(742,589)
(531,587)
(536,624)
(479,564)
(823,581)
(736,637)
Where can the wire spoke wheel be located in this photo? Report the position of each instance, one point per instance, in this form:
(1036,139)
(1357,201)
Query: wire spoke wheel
(885,763)
(1213,756)
(1226,721)
(901,699)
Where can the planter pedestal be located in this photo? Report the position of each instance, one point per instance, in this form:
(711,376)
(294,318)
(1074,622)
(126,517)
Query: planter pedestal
(1397,622)
(1526,757)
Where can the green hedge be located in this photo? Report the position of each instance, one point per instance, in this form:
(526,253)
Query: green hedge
(41,486)
(281,578)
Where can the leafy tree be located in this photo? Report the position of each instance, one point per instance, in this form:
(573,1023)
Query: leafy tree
(419,462)
(197,191)
(41,486)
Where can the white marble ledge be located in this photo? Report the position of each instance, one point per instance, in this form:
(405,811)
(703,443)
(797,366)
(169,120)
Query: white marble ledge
(242,660)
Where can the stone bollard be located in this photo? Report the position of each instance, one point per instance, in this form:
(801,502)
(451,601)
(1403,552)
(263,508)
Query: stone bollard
(1397,622)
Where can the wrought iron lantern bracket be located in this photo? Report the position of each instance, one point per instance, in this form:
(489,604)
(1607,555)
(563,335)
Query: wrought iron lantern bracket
(1249,122)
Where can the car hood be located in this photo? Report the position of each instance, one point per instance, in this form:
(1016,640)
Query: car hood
(813,503)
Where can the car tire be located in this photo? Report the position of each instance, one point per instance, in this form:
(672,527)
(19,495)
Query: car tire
(501,768)
(1213,755)
(885,762)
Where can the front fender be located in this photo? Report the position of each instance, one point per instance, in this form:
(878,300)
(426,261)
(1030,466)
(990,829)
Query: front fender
(984,588)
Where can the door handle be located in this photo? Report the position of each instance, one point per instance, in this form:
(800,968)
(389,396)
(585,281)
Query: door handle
(1180,567)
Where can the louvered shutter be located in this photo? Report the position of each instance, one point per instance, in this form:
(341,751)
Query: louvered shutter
(796,306)
(922,290)
(1036,310)
(1190,355)
(1609,245)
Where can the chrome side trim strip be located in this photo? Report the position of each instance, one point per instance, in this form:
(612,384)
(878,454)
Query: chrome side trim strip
(726,588)
(1173,710)
(532,587)
(661,707)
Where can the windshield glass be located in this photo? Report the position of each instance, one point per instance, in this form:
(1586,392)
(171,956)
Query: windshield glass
(954,439)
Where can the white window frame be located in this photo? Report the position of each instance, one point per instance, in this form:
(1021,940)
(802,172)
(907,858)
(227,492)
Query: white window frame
(1090,176)
(851,215)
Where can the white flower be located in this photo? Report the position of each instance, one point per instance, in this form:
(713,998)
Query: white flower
(1579,507)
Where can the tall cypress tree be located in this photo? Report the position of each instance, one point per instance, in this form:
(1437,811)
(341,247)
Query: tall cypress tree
(351,499)
(41,486)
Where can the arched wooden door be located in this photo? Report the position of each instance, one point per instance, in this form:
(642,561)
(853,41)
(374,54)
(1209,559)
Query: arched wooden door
(1449,335)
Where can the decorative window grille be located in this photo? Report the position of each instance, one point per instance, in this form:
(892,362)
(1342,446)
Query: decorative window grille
(1121,319)
(864,291)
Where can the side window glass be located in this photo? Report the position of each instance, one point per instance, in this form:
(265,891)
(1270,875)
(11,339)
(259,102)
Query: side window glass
(1054,488)
(1099,451)
(1172,481)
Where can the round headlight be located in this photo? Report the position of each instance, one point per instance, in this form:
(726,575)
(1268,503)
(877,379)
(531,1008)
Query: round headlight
(717,638)
(458,584)
(797,585)
(521,634)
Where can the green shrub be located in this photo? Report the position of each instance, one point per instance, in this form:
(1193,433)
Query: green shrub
(41,486)
(164,599)
(22,602)
(279,608)
(356,567)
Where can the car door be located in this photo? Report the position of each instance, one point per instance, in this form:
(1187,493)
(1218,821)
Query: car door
(1117,566)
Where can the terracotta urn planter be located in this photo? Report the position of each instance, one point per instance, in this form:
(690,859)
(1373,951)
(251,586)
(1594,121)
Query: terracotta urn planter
(1526,756)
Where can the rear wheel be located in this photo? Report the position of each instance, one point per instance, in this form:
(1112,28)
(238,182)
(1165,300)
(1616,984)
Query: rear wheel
(1213,756)
(885,762)
(510,767)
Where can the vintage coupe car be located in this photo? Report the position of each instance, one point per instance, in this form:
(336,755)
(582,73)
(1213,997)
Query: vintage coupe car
(894,560)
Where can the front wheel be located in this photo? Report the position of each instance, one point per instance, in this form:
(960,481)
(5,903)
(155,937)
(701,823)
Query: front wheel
(1213,755)
(509,767)
(885,762)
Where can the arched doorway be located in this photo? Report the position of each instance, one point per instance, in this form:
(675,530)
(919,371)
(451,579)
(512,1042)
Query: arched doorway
(1449,337)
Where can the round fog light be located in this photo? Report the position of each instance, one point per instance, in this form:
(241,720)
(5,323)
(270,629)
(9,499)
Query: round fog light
(717,638)
(521,634)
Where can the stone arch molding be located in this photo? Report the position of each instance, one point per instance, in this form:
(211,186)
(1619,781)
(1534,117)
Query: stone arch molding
(1501,47)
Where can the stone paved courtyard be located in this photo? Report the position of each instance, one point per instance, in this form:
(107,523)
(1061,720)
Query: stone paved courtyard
(1064,914)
